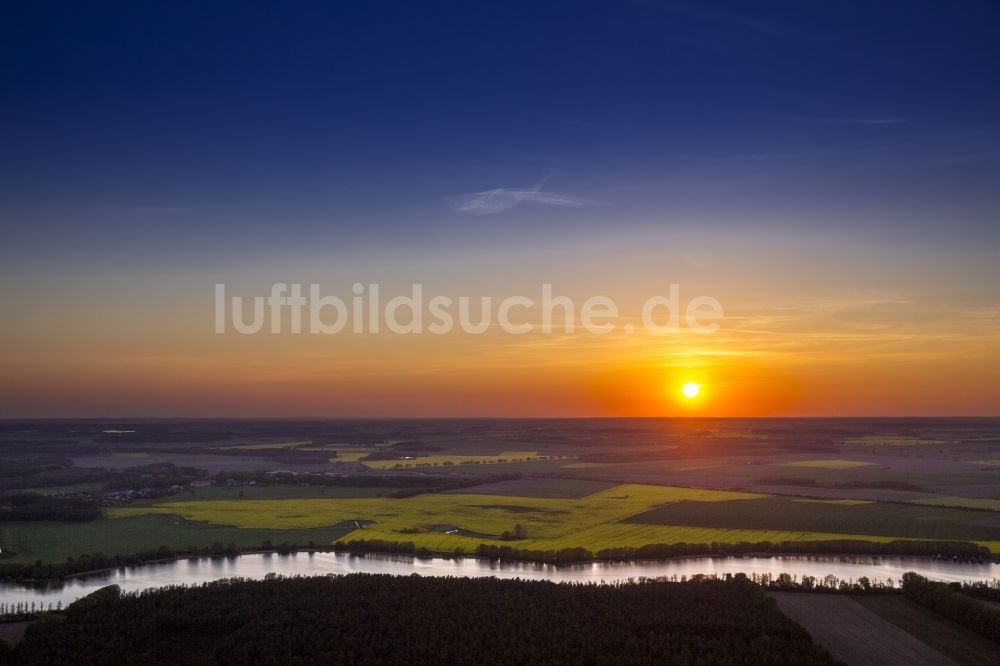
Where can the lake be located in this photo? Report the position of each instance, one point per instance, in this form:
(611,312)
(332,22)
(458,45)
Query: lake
(258,565)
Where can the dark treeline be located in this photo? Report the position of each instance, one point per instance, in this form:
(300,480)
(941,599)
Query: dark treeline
(950,549)
(445,484)
(948,600)
(44,473)
(380,546)
(39,571)
(691,445)
(493,552)
(407,483)
(366,619)
(415,445)
(791,583)
(551,556)
(935,549)
(989,590)
(32,506)
(842,485)
(156,475)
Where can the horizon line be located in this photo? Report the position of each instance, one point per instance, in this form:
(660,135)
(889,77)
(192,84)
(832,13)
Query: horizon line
(485,418)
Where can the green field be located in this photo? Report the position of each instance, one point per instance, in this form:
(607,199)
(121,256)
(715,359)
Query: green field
(272,493)
(446,521)
(541,487)
(871,518)
(52,541)
(590,484)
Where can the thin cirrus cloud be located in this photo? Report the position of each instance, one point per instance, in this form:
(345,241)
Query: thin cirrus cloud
(501,199)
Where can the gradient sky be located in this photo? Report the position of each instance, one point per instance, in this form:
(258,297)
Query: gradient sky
(829,171)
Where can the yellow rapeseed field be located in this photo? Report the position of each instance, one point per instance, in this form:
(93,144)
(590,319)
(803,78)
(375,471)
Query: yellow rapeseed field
(479,516)
(449,521)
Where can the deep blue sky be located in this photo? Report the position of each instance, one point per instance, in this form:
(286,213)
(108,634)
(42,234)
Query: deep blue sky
(365,118)
(828,171)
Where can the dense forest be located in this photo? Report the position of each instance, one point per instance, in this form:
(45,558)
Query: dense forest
(32,506)
(366,619)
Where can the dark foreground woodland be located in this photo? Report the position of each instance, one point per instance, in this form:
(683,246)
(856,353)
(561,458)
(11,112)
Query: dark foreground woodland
(365,619)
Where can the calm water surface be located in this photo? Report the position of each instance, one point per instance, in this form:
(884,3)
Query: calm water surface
(193,572)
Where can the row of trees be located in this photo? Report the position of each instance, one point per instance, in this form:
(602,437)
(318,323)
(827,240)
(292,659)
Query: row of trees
(503,551)
(962,550)
(936,549)
(983,589)
(807,482)
(40,571)
(948,600)
(407,485)
(22,609)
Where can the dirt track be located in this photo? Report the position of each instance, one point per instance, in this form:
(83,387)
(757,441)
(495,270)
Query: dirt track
(12,632)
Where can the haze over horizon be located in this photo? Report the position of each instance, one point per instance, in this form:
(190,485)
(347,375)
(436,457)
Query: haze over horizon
(827,172)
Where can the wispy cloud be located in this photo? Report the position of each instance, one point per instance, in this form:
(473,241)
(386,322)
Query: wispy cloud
(490,202)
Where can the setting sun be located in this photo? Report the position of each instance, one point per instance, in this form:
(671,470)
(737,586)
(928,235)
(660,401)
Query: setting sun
(691,390)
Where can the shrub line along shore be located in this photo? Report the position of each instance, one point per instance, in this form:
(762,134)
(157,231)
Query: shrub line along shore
(959,551)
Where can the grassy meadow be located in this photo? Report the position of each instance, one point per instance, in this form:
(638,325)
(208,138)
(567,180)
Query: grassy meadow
(54,542)
(869,518)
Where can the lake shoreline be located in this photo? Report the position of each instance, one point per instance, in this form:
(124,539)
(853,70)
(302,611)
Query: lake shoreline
(280,552)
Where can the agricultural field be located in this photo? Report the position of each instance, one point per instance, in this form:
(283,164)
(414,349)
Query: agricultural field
(54,542)
(884,629)
(870,518)
(448,520)
(274,493)
(543,487)
(446,484)
(346,456)
(947,637)
(623,515)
